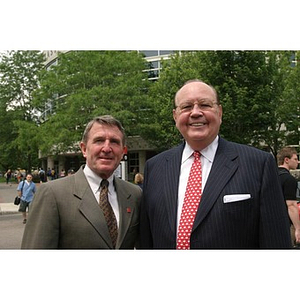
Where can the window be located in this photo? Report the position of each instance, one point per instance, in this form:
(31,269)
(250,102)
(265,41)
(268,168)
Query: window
(133,164)
(149,53)
(165,52)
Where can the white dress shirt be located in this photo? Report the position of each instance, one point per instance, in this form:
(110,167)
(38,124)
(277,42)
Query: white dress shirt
(207,158)
(94,181)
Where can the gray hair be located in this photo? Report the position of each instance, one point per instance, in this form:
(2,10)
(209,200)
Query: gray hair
(103,120)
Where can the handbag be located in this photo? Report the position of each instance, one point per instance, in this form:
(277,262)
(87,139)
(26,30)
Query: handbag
(18,199)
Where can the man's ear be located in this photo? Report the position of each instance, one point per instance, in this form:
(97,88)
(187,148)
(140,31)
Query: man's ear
(174,115)
(83,148)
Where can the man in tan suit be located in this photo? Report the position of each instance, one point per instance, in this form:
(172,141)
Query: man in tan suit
(67,213)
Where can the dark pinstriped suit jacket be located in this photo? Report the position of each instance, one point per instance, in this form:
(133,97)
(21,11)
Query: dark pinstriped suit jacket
(261,221)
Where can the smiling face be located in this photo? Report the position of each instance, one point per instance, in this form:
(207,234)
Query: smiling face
(103,149)
(198,116)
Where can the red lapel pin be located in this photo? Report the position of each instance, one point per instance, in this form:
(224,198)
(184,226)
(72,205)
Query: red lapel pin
(128,209)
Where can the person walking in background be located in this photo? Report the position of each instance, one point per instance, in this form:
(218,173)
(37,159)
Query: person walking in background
(42,175)
(53,174)
(48,174)
(71,172)
(62,173)
(7,175)
(138,179)
(208,192)
(26,192)
(19,175)
(91,209)
(287,160)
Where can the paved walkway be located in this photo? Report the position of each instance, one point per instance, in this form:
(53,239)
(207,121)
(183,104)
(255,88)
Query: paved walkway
(8,208)
(8,192)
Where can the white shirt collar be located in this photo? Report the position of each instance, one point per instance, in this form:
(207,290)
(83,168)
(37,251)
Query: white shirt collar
(209,152)
(94,180)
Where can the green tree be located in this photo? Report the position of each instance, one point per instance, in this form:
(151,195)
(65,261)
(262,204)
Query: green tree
(275,107)
(85,84)
(18,79)
(250,85)
(7,152)
(290,105)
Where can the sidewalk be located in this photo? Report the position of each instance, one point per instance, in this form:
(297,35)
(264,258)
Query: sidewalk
(8,208)
(7,196)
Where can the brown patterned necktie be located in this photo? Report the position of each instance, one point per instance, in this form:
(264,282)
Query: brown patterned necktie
(108,212)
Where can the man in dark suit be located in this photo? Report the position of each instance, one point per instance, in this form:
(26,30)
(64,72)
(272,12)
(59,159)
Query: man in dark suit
(67,213)
(241,204)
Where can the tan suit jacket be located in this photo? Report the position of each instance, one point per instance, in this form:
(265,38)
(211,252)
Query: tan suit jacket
(65,214)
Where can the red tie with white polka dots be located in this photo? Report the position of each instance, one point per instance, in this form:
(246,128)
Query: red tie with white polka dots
(190,204)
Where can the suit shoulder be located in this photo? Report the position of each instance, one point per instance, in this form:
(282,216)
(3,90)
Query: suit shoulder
(166,154)
(247,149)
(61,181)
(58,185)
(128,185)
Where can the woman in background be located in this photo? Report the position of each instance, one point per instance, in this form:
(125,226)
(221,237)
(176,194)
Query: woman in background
(139,179)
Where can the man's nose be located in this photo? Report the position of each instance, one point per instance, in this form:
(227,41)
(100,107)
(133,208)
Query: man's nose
(106,146)
(196,109)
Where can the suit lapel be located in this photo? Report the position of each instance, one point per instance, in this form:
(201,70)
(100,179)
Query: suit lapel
(126,209)
(173,165)
(224,166)
(89,207)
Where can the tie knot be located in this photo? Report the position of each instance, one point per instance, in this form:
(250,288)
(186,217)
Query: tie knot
(197,154)
(104,183)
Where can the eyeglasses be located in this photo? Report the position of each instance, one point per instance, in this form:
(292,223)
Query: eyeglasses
(203,105)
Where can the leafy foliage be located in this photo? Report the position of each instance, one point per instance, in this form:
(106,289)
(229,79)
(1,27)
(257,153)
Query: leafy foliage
(257,90)
(19,78)
(47,109)
(85,84)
